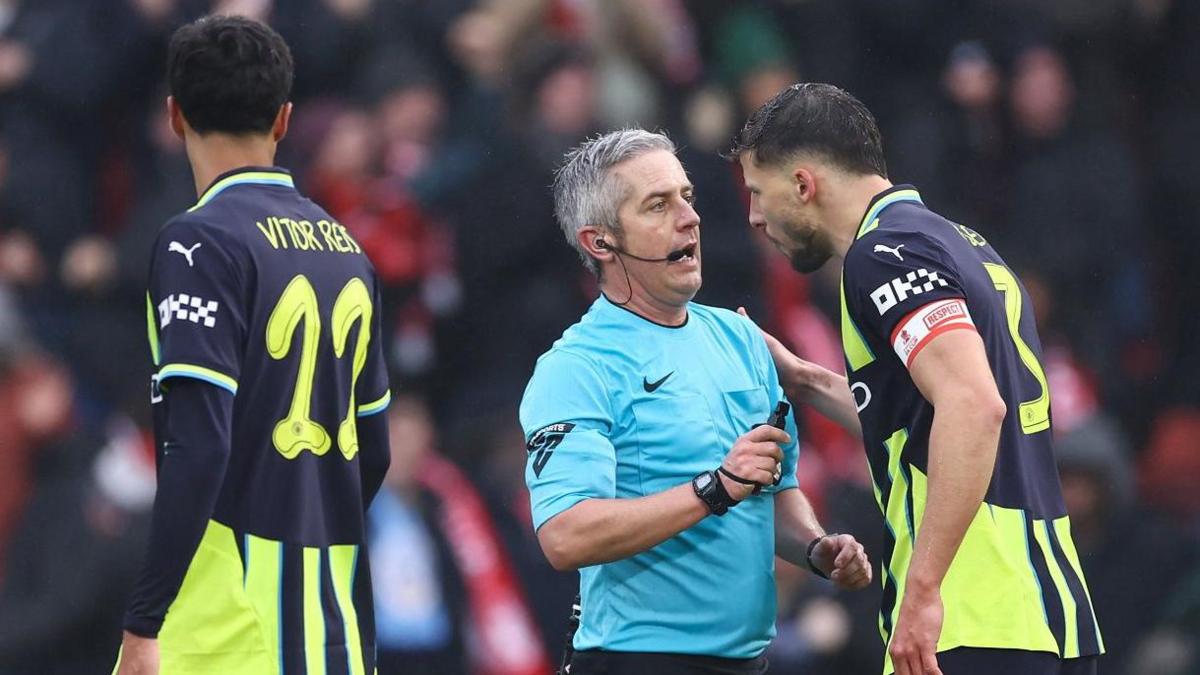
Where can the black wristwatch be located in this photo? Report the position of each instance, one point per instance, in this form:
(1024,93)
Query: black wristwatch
(711,491)
(812,545)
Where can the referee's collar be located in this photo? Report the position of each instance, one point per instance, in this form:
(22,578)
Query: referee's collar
(254,175)
(609,303)
(892,195)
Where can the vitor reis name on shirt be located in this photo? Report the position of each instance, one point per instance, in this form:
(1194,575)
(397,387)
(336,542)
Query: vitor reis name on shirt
(282,232)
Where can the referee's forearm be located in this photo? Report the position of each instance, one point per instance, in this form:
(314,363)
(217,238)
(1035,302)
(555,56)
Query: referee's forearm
(597,531)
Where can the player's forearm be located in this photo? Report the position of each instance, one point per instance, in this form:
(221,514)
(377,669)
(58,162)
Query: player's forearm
(596,531)
(962,455)
(824,390)
(796,525)
(189,481)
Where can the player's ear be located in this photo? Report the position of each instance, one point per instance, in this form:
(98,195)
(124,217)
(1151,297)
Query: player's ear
(594,241)
(175,114)
(804,183)
(280,128)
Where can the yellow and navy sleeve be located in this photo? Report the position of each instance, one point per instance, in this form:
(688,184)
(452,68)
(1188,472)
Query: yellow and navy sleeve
(195,306)
(373,393)
(372,397)
(905,288)
(194,444)
(567,420)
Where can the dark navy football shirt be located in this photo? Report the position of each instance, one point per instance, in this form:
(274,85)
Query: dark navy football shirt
(909,276)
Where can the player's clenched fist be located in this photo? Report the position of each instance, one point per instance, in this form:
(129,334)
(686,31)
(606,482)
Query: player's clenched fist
(755,458)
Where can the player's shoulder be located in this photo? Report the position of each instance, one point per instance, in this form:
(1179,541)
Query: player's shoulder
(192,231)
(918,238)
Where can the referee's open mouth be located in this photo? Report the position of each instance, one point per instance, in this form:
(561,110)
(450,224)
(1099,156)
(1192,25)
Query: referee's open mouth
(685,254)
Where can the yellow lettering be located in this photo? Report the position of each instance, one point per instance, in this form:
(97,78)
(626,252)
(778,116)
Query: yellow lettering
(297,236)
(278,228)
(323,226)
(307,228)
(337,237)
(269,234)
(346,234)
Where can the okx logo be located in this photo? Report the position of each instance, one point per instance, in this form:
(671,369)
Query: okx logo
(184,307)
(901,288)
(543,442)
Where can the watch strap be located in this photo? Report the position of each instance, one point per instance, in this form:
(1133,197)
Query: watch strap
(808,556)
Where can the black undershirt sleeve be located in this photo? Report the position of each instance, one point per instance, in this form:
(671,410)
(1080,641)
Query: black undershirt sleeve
(194,452)
(374,453)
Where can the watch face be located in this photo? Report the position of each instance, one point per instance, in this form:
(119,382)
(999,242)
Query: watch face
(703,480)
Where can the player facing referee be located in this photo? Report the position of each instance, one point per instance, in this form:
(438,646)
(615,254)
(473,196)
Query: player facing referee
(642,438)
(946,379)
(263,319)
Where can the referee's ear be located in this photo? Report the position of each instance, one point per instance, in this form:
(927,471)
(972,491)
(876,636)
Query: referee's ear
(595,243)
(280,128)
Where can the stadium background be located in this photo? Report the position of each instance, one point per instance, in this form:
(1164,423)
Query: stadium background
(1065,131)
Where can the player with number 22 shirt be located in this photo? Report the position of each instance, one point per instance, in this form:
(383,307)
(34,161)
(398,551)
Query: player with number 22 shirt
(263,319)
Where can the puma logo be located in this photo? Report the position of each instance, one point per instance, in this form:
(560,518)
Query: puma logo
(176,247)
(880,248)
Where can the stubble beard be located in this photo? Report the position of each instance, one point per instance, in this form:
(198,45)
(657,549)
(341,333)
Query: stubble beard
(815,251)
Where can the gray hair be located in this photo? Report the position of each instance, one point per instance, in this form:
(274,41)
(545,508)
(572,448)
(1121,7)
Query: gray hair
(585,190)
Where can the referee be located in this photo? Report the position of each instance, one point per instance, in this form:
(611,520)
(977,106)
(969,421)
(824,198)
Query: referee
(947,388)
(645,459)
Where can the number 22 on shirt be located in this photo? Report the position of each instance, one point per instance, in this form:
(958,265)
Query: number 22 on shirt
(297,303)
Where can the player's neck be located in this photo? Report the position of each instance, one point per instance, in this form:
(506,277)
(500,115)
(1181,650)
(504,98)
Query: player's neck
(856,195)
(214,154)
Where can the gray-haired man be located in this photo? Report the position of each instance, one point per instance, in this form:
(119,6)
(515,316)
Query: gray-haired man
(640,423)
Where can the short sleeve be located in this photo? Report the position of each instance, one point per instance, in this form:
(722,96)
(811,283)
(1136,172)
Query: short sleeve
(906,288)
(373,392)
(196,306)
(567,419)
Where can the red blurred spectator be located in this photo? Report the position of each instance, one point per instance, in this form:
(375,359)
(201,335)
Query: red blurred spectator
(35,409)
(1170,466)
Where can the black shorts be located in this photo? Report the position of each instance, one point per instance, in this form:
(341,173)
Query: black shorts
(597,662)
(973,661)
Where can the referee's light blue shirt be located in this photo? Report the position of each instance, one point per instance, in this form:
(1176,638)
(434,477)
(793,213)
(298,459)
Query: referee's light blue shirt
(623,407)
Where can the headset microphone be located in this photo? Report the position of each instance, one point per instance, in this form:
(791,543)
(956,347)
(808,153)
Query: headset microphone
(673,256)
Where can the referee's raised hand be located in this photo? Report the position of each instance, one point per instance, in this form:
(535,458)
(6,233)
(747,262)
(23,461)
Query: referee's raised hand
(755,457)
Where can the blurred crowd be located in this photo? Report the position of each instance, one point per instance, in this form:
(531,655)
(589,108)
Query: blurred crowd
(1063,131)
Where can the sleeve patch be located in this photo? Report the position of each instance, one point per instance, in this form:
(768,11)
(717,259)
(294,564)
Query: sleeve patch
(542,443)
(892,293)
(184,307)
(920,327)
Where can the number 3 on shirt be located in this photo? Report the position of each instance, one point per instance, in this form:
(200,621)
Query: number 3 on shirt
(298,302)
(1035,413)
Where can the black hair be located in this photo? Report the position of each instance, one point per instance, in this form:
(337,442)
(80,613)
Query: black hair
(229,74)
(818,118)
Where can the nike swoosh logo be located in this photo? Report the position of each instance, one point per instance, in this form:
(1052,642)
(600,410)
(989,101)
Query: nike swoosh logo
(650,387)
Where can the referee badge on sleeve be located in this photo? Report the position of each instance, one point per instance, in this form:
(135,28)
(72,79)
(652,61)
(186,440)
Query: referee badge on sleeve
(542,443)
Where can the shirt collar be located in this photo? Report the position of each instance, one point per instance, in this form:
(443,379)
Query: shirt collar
(252,175)
(611,306)
(892,195)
